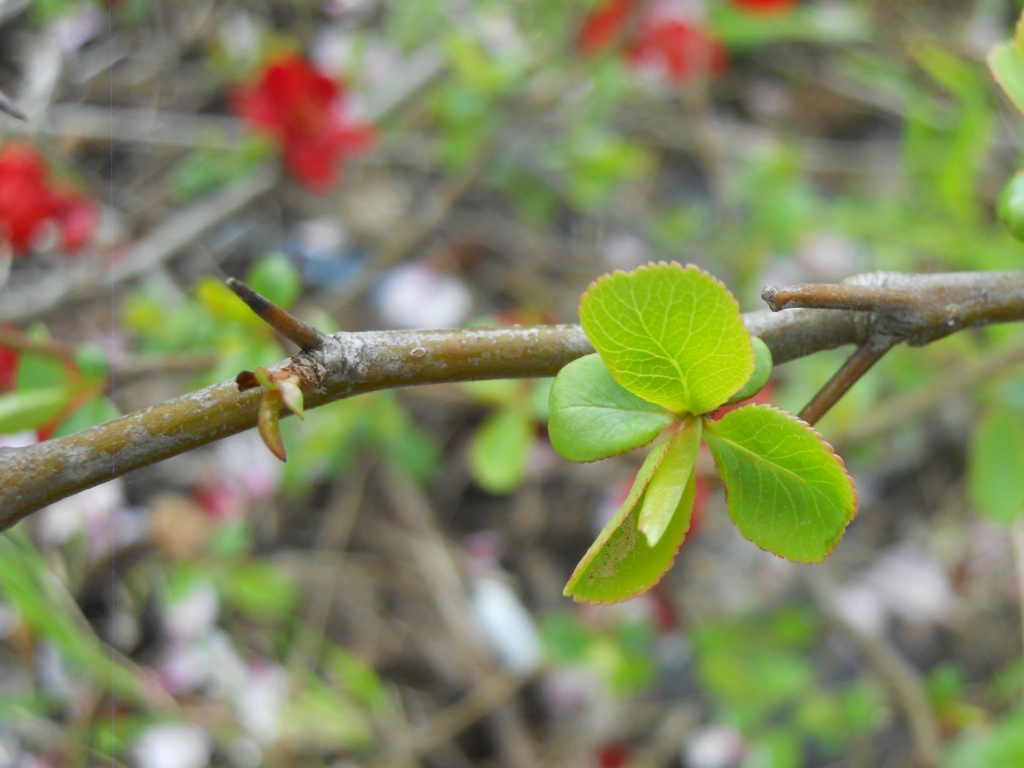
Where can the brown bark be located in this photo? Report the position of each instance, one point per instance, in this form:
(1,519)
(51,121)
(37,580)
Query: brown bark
(913,308)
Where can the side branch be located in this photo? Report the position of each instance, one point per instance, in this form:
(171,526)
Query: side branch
(917,309)
(302,334)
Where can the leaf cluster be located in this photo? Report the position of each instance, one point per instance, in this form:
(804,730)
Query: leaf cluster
(671,349)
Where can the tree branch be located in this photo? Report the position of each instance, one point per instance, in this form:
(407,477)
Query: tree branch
(8,106)
(303,335)
(918,309)
(859,363)
(348,364)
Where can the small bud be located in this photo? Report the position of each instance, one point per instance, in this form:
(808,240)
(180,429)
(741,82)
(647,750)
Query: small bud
(292,395)
(287,383)
(269,423)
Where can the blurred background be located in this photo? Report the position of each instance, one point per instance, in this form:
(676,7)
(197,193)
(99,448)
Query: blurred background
(392,595)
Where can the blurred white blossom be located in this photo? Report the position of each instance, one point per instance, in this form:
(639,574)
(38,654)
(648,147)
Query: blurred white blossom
(260,699)
(913,585)
(210,662)
(173,745)
(92,511)
(419,296)
(195,613)
(716,746)
(505,624)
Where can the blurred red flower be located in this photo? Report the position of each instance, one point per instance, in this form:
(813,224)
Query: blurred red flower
(604,26)
(663,42)
(30,201)
(613,755)
(306,113)
(677,50)
(8,368)
(766,6)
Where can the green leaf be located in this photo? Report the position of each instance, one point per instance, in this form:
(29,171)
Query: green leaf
(669,481)
(241,351)
(92,361)
(1007,68)
(276,278)
(114,737)
(593,417)
(494,392)
(1010,207)
(540,399)
(762,372)
(623,657)
(1018,36)
(416,452)
(167,324)
(621,564)
(786,489)
(670,334)
(565,637)
(741,30)
(36,371)
(996,464)
(317,718)
(98,410)
(357,678)
(31,409)
(756,665)
(221,302)
(600,162)
(287,384)
(269,422)
(291,393)
(999,744)
(392,432)
(207,168)
(328,445)
(30,587)
(260,589)
(500,450)
(480,68)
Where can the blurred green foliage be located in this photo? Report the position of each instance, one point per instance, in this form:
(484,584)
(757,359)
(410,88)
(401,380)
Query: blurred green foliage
(620,655)
(932,211)
(501,447)
(762,676)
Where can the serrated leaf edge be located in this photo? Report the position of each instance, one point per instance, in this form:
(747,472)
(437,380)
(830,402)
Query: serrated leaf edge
(636,493)
(690,483)
(681,268)
(709,426)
